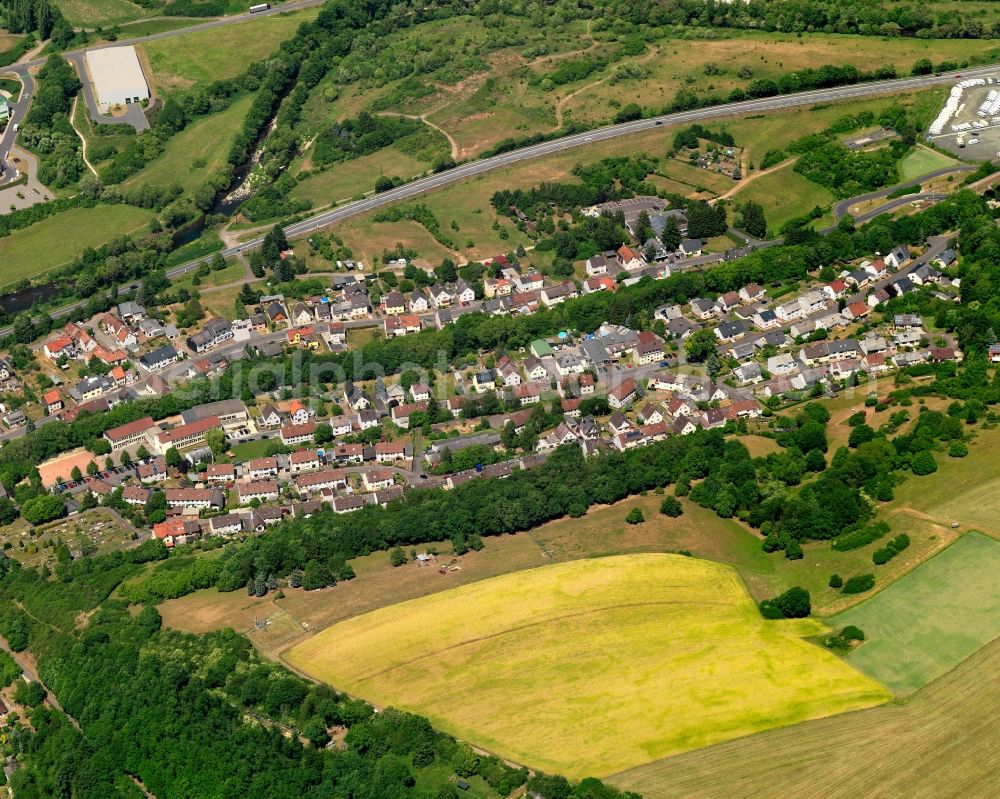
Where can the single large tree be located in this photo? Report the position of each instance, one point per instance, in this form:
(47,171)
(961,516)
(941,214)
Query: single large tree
(216,441)
(700,345)
(753,221)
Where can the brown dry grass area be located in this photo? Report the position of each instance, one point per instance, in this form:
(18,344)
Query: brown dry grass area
(603,531)
(838,431)
(368,239)
(940,743)
(760,446)
(377,584)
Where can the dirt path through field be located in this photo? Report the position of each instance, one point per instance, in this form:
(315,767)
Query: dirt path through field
(423,118)
(751,178)
(83,139)
(560,106)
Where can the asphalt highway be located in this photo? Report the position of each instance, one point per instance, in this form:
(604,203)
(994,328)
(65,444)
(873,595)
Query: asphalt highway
(474,168)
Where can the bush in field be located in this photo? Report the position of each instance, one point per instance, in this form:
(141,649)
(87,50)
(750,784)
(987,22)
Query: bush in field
(635,516)
(890,550)
(852,633)
(671,507)
(923,464)
(859,584)
(958,449)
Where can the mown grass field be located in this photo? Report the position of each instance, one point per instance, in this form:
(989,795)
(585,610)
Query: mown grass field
(962,490)
(592,666)
(59,239)
(357,176)
(201,57)
(193,155)
(921,161)
(785,194)
(941,742)
(926,623)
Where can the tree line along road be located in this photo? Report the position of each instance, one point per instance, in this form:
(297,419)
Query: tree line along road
(479,167)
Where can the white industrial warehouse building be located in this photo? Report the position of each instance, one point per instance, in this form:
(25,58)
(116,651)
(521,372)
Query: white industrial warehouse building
(117,76)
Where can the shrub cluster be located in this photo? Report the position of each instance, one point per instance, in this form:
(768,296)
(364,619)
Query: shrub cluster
(890,550)
(859,584)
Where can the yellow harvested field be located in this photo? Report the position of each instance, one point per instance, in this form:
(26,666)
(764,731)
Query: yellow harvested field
(939,743)
(592,666)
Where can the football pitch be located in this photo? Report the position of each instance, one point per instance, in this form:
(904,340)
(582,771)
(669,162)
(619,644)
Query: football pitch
(591,666)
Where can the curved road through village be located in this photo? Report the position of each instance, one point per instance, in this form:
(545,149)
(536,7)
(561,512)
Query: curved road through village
(474,168)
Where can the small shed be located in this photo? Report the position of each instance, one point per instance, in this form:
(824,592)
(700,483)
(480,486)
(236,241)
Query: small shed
(540,348)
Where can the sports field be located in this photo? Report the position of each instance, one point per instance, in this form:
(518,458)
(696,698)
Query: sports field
(941,742)
(591,666)
(932,619)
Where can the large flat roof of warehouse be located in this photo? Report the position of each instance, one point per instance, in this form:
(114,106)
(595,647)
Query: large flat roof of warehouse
(116,72)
